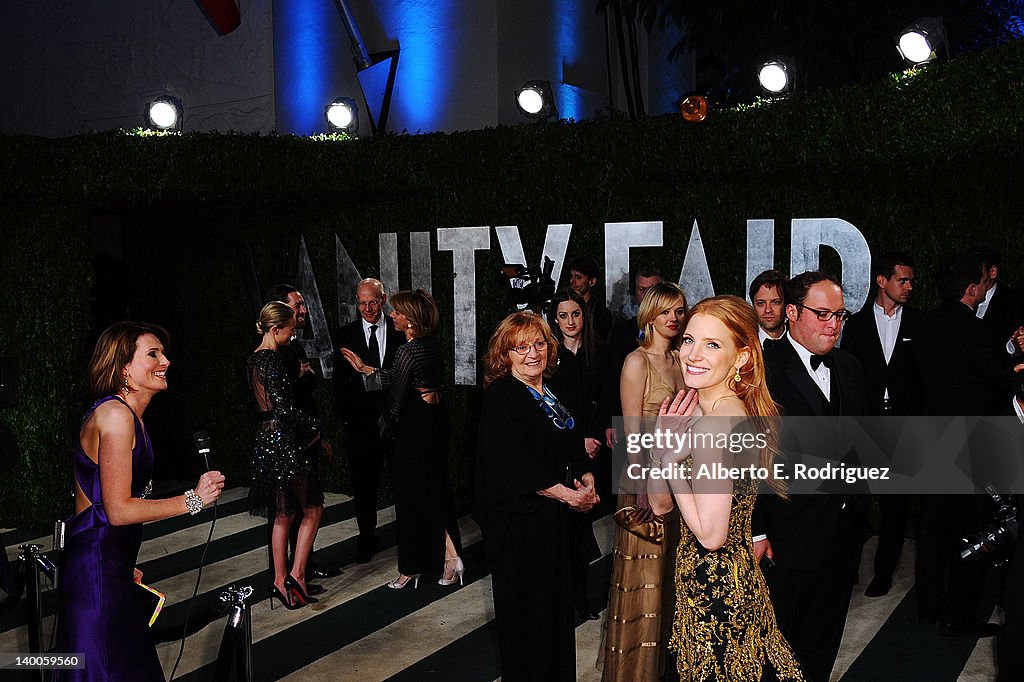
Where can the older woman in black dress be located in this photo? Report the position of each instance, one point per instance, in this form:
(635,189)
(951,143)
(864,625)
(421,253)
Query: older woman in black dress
(427,529)
(532,475)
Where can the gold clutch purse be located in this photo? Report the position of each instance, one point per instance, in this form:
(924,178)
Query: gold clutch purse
(651,531)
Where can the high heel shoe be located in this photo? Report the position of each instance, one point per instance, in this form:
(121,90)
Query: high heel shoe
(285,601)
(294,588)
(460,568)
(398,584)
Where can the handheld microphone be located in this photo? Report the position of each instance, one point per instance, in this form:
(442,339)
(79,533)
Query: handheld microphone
(201,439)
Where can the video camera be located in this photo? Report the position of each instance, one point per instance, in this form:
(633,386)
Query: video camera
(995,542)
(529,286)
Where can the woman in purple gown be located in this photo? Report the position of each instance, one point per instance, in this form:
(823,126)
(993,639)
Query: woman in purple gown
(99,613)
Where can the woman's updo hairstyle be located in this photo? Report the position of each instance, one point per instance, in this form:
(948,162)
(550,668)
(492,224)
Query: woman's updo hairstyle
(274,314)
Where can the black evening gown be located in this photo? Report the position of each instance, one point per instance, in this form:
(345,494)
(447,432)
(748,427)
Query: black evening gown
(423,506)
(528,538)
(283,477)
(577,383)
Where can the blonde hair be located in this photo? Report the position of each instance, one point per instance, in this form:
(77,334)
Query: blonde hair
(740,319)
(274,314)
(114,351)
(512,331)
(659,297)
(421,309)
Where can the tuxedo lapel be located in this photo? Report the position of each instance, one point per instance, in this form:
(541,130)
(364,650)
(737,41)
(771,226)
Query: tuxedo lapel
(806,386)
(875,342)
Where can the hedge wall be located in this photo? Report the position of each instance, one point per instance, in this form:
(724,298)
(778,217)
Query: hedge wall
(928,161)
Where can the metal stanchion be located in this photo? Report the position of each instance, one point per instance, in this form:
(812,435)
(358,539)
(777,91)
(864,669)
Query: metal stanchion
(34,562)
(234,659)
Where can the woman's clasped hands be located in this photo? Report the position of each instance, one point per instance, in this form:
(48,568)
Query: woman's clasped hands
(584,496)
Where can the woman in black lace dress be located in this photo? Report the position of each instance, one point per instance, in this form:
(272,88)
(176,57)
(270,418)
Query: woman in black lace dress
(283,479)
(427,529)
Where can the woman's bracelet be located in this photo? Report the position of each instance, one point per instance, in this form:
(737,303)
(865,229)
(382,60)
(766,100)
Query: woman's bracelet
(193,503)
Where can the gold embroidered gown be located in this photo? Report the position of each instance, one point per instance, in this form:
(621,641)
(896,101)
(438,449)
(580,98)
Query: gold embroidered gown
(638,622)
(725,627)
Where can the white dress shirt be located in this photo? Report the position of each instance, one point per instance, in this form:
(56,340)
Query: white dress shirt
(822,376)
(382,338)
(983,306)
(762,335)
(888,331)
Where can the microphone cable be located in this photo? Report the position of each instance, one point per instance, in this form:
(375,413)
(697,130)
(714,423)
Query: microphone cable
(201,439)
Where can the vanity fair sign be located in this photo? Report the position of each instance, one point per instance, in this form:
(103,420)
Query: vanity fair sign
(806,236)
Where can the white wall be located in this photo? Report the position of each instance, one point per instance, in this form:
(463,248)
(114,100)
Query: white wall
(70,66)
(75,66)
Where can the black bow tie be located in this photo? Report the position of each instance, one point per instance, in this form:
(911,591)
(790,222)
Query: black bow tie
(769,342)
(819,360)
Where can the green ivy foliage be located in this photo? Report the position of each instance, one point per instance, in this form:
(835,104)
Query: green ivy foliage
(928,160)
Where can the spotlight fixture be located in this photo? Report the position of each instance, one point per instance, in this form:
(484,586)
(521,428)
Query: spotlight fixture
(776,76)
(342,115)
(535,100)
(694,108)
(164,113)
(919,43)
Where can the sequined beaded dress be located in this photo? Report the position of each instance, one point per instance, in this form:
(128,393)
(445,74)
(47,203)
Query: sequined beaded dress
(725,626)
(638,622)
(283,478)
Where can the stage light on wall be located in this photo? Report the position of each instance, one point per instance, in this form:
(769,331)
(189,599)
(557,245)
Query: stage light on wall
(164,113)
(342,115)
(776,76)
(694,108)
(535,100)
(919,43)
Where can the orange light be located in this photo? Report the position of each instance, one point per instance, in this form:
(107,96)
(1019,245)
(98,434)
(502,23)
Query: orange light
(694,108)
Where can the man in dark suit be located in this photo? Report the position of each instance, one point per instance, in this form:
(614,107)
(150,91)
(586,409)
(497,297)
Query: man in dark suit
(304,379)
(963,372)
(768,296)
(814,541)
(1002,309)
(583,278)
(881,337)
(373,338)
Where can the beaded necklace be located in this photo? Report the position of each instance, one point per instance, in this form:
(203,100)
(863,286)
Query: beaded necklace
(553,408)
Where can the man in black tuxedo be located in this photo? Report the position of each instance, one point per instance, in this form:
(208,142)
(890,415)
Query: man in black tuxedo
(881,337)
(374,339)
(768,296)
(964,372)
(814,541)
(304,379)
